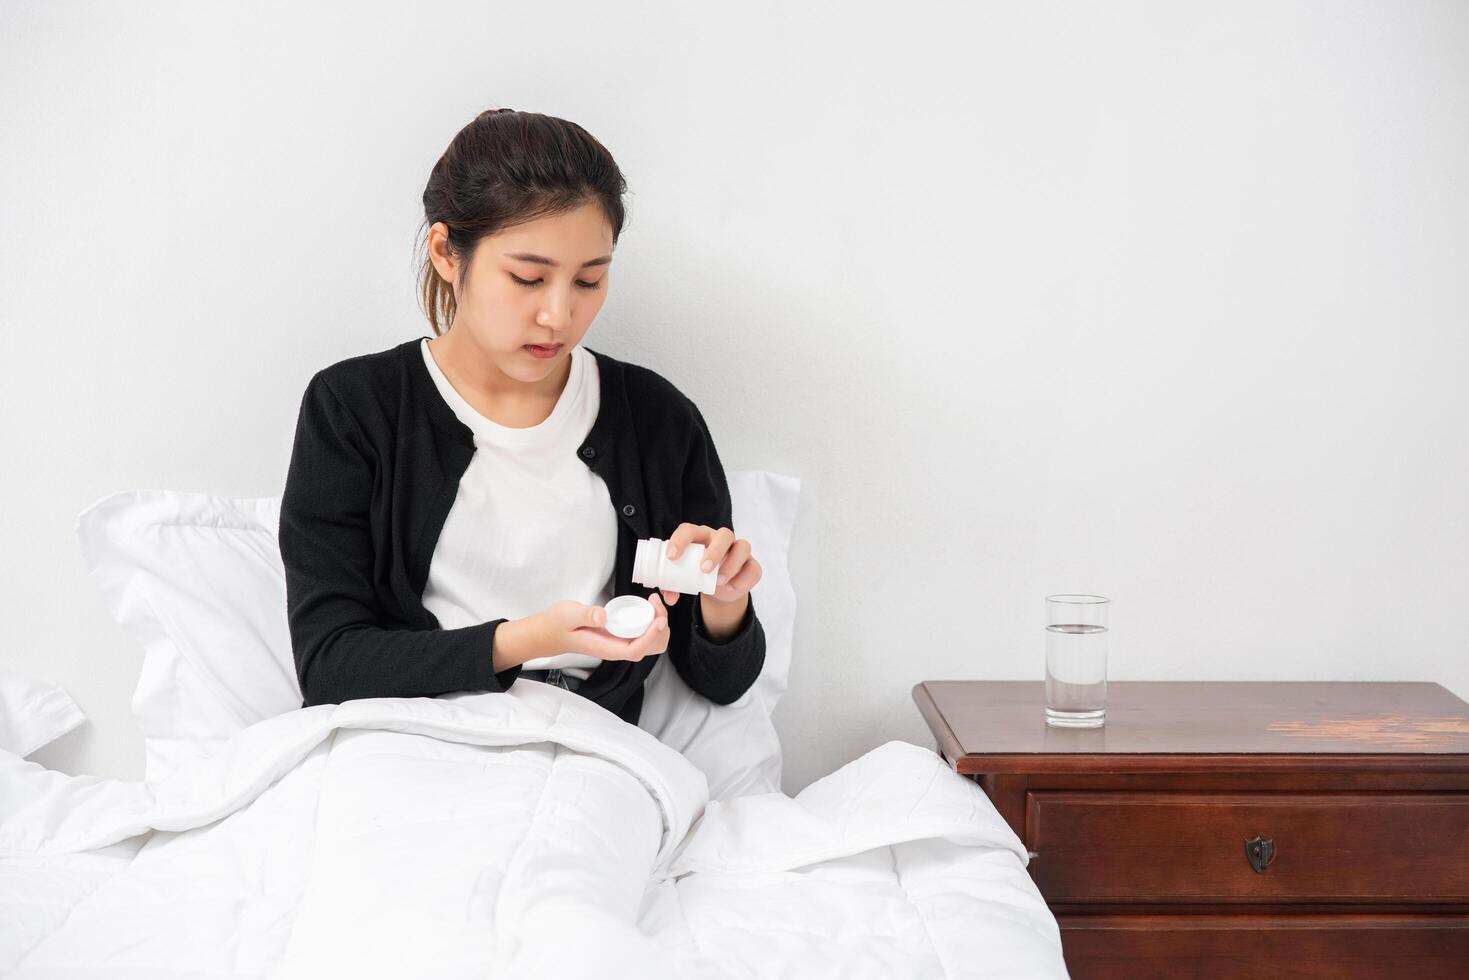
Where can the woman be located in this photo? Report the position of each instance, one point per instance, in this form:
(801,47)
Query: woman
(458,508)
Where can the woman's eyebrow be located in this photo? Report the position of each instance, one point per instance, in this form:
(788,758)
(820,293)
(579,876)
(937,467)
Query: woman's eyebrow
(542,260)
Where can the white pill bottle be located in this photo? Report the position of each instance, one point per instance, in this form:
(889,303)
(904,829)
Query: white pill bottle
(651,567)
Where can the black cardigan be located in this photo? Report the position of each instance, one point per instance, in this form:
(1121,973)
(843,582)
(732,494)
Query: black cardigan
(375,467)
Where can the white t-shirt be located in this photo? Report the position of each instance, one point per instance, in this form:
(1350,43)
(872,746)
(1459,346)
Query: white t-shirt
(531,524)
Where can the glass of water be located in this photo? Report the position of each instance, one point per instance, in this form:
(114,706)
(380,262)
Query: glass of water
(1076,660)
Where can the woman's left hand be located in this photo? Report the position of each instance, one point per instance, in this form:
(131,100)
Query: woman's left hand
(738,569)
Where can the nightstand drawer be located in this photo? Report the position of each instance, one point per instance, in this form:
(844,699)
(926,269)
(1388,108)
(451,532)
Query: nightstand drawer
(1157,847)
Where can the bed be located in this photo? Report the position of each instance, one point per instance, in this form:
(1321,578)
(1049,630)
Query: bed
(526,833)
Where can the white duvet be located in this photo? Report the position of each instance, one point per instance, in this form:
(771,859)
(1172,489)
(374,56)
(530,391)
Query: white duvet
(530,833)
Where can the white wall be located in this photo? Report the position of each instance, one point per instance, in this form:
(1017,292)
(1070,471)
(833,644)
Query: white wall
(1164,301)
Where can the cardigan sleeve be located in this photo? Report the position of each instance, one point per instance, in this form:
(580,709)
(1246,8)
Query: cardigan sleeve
(721,672)
(342,650)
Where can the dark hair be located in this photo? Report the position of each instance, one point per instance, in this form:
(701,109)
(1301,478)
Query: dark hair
(503,169)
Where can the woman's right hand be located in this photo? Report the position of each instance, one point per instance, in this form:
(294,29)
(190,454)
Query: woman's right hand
(569,626)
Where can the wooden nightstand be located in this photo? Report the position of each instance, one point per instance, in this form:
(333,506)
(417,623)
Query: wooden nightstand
(1234,829)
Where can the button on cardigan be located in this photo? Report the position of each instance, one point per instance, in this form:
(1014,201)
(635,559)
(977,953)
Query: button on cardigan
(374,469)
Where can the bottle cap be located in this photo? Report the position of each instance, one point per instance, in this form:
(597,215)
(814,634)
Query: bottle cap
(629,616)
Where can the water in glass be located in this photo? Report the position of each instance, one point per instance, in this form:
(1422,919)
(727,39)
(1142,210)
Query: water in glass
(1076,675)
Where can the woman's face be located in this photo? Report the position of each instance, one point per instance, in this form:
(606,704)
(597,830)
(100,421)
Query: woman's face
(538,283)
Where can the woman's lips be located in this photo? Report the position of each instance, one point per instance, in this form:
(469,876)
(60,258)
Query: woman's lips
(547,350)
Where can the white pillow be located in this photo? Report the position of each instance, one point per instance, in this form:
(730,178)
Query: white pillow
(197,579)
(34,712)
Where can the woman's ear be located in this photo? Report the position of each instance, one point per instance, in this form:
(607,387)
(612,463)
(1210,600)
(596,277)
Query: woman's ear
(445,264)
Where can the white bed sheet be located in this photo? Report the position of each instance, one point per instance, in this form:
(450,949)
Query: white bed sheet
(521,834)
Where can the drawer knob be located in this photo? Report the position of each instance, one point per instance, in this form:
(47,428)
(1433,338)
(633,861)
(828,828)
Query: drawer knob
(1260,851)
